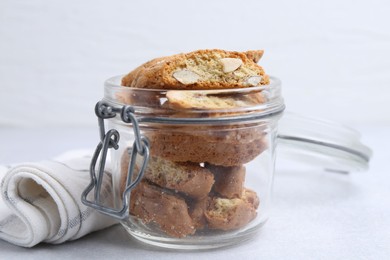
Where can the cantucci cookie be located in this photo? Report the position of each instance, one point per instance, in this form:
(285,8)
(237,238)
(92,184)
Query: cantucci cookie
(185,177)
(197,212)
(229,181)
(200,147)
(202,69)
(228,214)
(169,211)
(254,55)
(182,100)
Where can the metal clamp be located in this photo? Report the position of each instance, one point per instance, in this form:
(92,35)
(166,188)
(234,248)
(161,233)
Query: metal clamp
(110,139)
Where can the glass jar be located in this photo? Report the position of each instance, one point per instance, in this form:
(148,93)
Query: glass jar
(192,169)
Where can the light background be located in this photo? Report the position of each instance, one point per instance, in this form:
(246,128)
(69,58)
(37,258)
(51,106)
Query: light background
(333,57)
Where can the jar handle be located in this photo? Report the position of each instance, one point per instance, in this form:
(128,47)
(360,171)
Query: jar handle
(110,140)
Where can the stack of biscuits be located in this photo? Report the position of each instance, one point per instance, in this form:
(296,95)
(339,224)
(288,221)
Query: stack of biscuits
(196,173)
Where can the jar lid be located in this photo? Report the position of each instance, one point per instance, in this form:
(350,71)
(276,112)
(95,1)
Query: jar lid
(317,142)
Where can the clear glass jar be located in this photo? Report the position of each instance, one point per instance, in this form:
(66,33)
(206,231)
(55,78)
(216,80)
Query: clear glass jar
(190,169)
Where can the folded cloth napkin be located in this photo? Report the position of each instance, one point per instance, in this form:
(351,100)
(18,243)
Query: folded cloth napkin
(41,202)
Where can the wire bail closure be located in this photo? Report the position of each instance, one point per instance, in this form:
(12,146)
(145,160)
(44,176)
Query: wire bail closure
(110,139)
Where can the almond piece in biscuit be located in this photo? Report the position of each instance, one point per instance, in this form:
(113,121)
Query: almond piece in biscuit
(230,64)
(185,76)
(254,80)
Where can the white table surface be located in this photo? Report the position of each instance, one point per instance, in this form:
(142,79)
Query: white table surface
(315,215)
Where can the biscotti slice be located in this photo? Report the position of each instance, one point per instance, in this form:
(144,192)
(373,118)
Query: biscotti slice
(228,214)
(154,205)
(140,97)
(250,197)
(197,212)
(222,213)
(184,100)
(202,69)
(182,147)
(186,177)
(254,55)
(229,181)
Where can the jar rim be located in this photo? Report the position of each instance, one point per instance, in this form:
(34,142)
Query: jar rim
(116,95)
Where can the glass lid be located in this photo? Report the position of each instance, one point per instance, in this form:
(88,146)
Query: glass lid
(321,143)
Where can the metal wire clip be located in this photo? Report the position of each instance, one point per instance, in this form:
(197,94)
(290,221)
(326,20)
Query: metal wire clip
(110,140)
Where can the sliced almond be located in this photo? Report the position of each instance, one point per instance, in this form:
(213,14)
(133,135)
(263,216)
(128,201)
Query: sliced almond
(230,64)
(186,76)
(254,80)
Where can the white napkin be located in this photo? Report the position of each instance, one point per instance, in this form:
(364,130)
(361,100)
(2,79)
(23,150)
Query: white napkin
(41,202)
